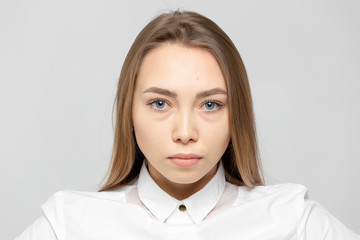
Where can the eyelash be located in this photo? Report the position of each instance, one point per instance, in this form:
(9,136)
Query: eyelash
(218,107)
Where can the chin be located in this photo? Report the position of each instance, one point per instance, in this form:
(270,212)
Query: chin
(185,180)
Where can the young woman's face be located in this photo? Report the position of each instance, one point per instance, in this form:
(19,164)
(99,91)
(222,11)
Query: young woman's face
(180,114)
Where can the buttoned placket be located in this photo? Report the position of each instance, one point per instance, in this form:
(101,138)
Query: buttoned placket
(180,215)
(180,224)
(182,218)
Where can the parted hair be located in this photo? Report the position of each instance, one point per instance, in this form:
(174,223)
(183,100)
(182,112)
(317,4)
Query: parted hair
(241,159)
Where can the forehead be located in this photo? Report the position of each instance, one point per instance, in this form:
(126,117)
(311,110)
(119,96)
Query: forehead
(172,64)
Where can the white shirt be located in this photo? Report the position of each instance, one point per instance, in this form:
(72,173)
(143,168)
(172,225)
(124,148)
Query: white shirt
(220,210)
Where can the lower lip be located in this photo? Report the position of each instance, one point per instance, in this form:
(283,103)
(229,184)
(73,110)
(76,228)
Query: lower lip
(185,162)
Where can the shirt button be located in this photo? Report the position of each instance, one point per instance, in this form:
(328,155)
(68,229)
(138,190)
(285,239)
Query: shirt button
(182,208)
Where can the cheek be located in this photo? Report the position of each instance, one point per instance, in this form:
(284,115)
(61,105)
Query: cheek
(149,134)
(217,131)
(216,140)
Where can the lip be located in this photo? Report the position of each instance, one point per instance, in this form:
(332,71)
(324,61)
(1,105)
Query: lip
(185,155)
(185,160)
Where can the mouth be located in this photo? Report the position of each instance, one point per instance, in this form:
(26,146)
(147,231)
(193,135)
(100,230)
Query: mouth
(185,160)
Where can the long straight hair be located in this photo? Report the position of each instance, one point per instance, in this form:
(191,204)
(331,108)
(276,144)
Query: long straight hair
(241,159)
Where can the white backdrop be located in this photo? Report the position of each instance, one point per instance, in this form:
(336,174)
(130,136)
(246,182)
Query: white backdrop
(59,64)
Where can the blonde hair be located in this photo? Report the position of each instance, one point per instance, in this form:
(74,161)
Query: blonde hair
(241,158)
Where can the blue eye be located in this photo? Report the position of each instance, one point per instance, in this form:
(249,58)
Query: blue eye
(210,105)
(159,104)
(163,105)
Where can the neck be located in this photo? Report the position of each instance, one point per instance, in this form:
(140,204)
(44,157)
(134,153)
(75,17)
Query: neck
(181,191)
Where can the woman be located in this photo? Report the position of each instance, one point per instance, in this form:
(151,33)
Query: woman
(185,161)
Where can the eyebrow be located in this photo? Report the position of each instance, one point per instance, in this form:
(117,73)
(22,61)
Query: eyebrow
(171,94)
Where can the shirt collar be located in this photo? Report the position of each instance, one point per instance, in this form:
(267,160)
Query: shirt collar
(198,205)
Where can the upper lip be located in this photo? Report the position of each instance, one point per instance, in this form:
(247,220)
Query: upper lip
(185,155)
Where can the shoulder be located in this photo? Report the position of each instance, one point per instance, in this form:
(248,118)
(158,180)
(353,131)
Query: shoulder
(66,199)
(284,202)
(274,207)
(70,206)
(285,211)
(73,197)
(277,191)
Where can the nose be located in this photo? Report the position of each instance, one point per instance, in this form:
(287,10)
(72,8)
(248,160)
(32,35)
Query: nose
(185,129)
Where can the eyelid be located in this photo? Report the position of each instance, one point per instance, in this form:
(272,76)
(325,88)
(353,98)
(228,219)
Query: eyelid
(219,104)
(218,107)
(152,101)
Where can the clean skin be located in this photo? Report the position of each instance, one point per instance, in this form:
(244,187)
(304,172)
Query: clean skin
(180,117)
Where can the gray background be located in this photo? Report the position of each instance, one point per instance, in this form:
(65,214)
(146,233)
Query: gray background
(59,64)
